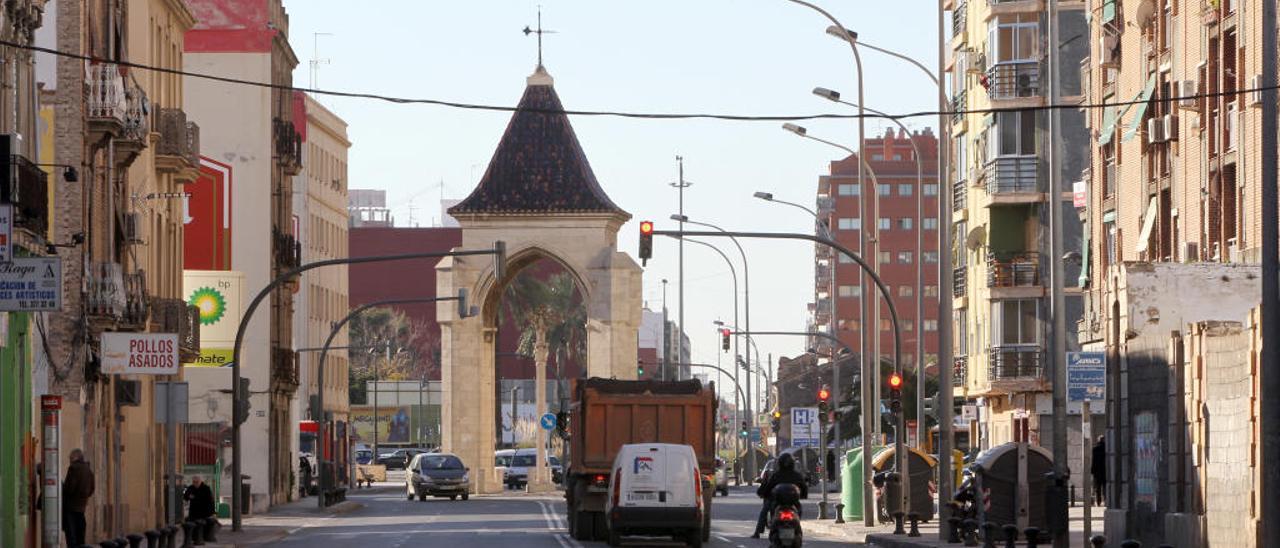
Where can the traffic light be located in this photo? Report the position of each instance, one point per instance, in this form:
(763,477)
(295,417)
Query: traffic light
(242,401)
(745,431)
(646,241)
(895,393)
(930,406)
(724,340)
(824,400)
(777,420)
(640,369)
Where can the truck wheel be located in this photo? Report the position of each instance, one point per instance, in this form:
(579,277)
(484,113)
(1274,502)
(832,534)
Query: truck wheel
(581,527)
(694,539)
(601,528)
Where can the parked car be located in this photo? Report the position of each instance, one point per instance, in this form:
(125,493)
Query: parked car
(522,460)
(657,490)
(398,459)
(502,463)
(437,475)
(722,477)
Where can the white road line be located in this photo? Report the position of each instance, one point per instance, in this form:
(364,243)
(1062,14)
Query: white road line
(723,539)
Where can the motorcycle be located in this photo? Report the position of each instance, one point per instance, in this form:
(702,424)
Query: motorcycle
(784,521)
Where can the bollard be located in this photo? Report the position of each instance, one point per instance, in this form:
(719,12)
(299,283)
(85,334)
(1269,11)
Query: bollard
(135,540)
(822,510)
(187,527)
(170,539)
(1130,544)
(970,532)
(897,524)
(954,536)
(1098,541)
(1033,536)
(989,535)
(153,538)
(914,517)
(121,542)
(1010,536)
(211,527)
(839,513)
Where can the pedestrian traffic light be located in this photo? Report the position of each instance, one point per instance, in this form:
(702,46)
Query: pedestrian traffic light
(824,399)
(724,340)
(646,241)
(745,431)
(895,393)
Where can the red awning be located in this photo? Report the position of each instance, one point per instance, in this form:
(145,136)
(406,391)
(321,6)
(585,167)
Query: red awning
(309,426)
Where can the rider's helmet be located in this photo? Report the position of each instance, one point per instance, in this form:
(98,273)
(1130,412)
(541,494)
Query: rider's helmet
(786,494)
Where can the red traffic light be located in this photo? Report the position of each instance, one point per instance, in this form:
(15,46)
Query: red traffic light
(895,381)
(646,227)
(824,394)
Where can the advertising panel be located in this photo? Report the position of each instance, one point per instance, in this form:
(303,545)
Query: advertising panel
(31,283)
(218,295)
(416,425)
(207,218)
(140,353)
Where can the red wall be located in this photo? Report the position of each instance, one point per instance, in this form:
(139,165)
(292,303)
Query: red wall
(206,240)
(230,26)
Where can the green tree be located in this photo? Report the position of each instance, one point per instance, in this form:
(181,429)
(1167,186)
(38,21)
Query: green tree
(549,310)
(369,333)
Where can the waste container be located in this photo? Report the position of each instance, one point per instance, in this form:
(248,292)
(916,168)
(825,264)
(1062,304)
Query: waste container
(921,466)
(999,471)
(851,485)
(244,494)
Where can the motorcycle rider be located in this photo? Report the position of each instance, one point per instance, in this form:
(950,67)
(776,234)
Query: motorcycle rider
(786,473)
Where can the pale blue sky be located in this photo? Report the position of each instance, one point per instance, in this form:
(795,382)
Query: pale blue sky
(715,56)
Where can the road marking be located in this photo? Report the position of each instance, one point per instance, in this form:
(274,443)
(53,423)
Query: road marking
(723,539)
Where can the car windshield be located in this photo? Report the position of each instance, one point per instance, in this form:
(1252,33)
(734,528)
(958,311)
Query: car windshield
(440,462)
(502,460)
(522,460)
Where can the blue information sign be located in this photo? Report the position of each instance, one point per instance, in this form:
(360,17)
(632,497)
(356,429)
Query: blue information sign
(1086,376)
(548,421)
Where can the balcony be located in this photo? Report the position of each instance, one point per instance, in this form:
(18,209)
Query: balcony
(117,298)
(107,104)
(135,134)
(287,250)
(176,316)
(822,276)
(284,368)
(959,195)
(1012,179)
(1021,269)
(1013,80)
(287,146)
(178,150)
(29,194)
(960,280)
(1016,367)
(959,104)
(959,18)
(959,371)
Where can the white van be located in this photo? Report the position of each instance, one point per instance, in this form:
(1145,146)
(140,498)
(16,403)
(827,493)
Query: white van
(655,490)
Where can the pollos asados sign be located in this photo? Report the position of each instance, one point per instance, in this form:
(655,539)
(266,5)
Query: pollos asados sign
(140,353)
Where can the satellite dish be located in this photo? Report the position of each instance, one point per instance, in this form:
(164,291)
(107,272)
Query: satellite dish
(976,238)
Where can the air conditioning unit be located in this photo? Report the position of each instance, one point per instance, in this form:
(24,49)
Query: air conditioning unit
(1187,91)
(1255,85)
(133,228)
(1108,51)
(1190,252)
(1170,127)
(1155,130)
(1233,251)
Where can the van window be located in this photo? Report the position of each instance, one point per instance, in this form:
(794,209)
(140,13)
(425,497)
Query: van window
(502,460)
(522,460)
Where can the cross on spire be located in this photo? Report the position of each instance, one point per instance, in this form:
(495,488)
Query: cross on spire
(539,31)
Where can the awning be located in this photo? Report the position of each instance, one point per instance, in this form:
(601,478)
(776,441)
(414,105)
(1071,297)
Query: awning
(1141,111)
(1084,259)
(1148,223)
(1109,120)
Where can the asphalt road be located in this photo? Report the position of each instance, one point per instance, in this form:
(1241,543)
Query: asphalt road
(387,520)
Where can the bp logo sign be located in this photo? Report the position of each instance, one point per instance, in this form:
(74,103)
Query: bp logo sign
(212,305)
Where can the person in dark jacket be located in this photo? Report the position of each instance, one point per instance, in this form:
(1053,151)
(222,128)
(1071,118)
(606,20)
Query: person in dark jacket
(786,473)
(76,490)
(1098,468)
(200,496)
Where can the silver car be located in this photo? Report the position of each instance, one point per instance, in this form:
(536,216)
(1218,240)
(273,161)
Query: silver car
(437,475)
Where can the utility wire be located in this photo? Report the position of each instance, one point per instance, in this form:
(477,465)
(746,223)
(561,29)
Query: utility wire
(612,113)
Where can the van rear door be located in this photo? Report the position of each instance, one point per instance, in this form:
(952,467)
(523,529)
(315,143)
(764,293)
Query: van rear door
(682,476)
(645,475)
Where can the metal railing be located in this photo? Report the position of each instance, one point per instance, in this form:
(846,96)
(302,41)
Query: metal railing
(960,370)
(178,137)
(176,316)
(284,366)
(960,280)
(1020,269)
(1007,174)
(959,195)
(959,18)
(288,145)
(1013,79)
(1018,361)
(107,98)
(28,191)
(959,103)
(287,250)
(137,124)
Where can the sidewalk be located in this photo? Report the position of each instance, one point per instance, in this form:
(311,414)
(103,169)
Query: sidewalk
(278,522)
(882,535)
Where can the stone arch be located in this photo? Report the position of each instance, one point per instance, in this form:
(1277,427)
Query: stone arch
(489,295)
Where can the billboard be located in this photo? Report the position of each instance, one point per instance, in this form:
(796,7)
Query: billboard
(140,353)
(218,295)
(417,425)
(31,283)
(206,218)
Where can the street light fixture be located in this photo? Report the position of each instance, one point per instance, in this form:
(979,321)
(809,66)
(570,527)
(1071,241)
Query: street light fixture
(766,196)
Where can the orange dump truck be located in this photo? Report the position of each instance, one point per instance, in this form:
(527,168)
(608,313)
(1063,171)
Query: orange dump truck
(607,414)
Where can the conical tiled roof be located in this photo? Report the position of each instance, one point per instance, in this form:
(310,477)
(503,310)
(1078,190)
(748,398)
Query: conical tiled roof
(538,167)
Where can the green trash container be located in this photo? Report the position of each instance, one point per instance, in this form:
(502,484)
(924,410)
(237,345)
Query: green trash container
(851,483)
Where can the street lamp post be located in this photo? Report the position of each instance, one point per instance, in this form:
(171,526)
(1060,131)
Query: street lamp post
(499,252)
(734,272)
(746,305)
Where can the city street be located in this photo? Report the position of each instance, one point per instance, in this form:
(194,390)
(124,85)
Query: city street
(387,520)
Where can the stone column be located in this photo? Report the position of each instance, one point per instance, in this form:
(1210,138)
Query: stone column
(539,480)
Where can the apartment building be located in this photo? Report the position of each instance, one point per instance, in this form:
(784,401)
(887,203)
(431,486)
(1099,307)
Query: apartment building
(251,142)
(1000,193)
(320,203)
(1171,205)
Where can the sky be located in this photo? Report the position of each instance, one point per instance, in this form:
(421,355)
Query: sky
(754,57)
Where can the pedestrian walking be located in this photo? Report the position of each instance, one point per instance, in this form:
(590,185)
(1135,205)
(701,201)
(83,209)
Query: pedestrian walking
(1098,468)
(76,490)
(200,498)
